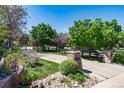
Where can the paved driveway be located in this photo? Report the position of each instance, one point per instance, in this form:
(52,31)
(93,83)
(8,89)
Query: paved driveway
(114,82)
(50,57)
(109,71)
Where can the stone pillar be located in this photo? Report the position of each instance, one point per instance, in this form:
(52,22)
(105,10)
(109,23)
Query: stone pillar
(107,57)
(75,56)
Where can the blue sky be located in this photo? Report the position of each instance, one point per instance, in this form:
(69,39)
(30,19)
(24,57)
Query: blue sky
(62,17)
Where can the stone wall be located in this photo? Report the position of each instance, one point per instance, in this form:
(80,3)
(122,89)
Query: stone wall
(8,82)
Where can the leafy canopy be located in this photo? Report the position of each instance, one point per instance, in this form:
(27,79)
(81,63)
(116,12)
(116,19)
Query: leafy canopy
(44,34)
(94,34)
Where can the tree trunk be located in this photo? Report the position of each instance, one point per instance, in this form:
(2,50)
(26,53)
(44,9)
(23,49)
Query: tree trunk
(56,48)
(89,52)
(10,44)
(43,48)
(82,53)
(37,47)
(108,56)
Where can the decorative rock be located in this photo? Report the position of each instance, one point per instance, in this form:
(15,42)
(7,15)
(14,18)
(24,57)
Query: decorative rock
(54,81)
(19,68)
(37,84)
(108,57)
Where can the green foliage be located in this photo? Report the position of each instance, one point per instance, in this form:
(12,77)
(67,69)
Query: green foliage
(119,57)
(2,34)
(13,58)
(68,67)
(94,34)
(4,70)
(79,76)
(121,39)
(16,49)
(66,81)
(4,51)
(24,40)
(40,70)
(14,20)
(43,34)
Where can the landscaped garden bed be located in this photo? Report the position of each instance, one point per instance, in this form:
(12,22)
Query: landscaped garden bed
(58,80)
(68,76)
(46,74)
(34,69)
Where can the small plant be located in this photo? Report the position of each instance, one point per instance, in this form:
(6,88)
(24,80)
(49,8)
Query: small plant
(16,49)
(68,67)
(80,77)
(49,82)
(4,52)
(66,81)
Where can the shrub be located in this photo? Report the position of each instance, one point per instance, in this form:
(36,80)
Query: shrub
(4,71)
(68,67)
(119,57)
(66,81)
(13,58)
(4,52)
(16,49)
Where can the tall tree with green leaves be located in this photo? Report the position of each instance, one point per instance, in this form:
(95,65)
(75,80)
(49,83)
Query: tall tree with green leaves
(121,40)
(111,32)
(77,33)
(81,35)
(44,34)
(95,34)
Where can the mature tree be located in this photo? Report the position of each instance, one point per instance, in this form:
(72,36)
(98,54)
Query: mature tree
(14,19)
(111,33)
(95,35)
(24,40)
(44,34)
(61,40)
(111,37)
(80,34)
(121,40)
